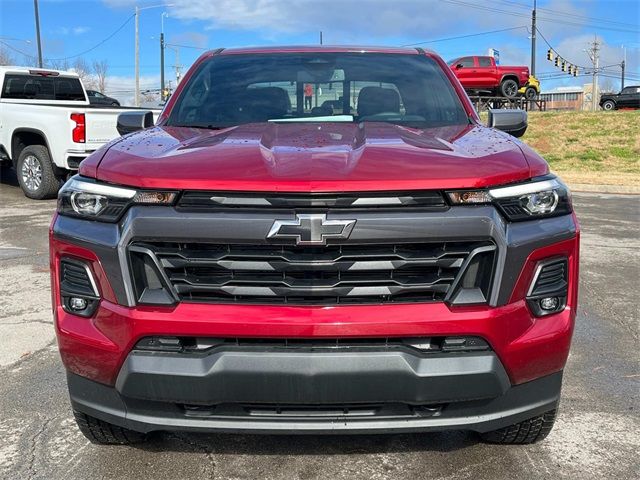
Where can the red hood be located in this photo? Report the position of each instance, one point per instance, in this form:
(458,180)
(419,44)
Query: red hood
(320,157)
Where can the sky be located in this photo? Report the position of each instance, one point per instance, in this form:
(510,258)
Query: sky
(104,30)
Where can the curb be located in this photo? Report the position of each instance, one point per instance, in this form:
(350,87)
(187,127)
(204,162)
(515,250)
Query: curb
(614,189)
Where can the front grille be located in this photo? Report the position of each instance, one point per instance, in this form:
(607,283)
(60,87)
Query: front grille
(334,274)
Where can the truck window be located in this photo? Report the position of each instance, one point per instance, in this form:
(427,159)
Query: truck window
(465,62)
(39,87)
(484,62)
(229,90)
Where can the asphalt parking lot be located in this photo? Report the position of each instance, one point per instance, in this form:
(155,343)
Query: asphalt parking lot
(597,434)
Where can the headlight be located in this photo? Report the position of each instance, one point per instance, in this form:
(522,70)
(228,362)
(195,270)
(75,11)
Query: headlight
(545,197)
(86,198)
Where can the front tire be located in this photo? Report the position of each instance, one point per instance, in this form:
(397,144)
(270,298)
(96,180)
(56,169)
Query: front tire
(509,88)
(609,105)
(104,433)
(523,433)
(530,93)
(35,173)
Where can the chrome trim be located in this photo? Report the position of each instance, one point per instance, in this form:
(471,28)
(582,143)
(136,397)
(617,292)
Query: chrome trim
(91,279)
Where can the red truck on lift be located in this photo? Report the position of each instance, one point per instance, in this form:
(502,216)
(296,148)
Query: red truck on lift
(480,73)
(250,265)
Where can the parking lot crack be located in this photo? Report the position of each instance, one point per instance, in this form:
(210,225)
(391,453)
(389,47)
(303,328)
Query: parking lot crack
(33,445)
(201,448)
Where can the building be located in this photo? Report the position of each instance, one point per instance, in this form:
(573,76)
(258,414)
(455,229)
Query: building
(566,98)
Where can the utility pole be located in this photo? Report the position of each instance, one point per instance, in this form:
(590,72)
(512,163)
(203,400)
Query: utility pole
(320,37)
(137,53)
(533,39)
(594,54)
(623,65)
(35,6)
(164,14)
(177,65)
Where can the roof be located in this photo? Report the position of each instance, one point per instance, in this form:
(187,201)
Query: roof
(320,48)
(19,69)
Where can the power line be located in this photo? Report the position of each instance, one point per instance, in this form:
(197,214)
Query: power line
(556,52)
(11,47)
(186,46)
(97,45)
(464,36)
(547,19)
(571,15)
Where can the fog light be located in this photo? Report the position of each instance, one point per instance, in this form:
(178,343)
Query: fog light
(549,303)
(77,304)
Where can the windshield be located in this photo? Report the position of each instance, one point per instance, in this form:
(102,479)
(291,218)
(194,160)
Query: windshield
(229,90)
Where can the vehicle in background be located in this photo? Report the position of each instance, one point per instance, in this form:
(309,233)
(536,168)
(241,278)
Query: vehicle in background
(479,74)
(97,98)
(629,97)
(47,126)
(385,263)
(531,89)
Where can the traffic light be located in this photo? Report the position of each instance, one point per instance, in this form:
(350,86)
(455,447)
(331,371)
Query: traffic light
(575,71)
(549,54)
(564,66)
(557,61)
(570,69)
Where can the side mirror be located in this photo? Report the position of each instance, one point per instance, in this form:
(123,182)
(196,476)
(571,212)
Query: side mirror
(129,122)
(512,121)
(459,66)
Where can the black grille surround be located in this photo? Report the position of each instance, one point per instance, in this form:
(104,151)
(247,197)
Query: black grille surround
(317,275)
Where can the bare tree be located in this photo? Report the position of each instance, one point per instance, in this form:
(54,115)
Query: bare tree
(5,57)
(607,86)
(100,70)
(83,70)
(58,64)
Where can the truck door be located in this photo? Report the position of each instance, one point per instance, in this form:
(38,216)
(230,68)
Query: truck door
(466,71)
(629,97)
(486,72)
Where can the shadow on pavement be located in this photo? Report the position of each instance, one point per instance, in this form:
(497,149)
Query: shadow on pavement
(307,444)
(8,176)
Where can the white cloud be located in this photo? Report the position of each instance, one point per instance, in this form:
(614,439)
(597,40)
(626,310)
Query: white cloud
(78,30)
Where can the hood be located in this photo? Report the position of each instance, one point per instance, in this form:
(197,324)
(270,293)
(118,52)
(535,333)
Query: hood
(312,157)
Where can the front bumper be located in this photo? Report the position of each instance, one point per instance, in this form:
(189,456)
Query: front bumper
(520,378)
(313,393)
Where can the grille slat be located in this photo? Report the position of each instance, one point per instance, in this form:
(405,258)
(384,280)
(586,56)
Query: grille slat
(333,274)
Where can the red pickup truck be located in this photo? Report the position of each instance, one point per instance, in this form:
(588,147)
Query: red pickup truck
(249,264)
(478,73)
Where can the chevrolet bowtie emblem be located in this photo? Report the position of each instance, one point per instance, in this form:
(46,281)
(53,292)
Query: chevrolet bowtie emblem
(311,229)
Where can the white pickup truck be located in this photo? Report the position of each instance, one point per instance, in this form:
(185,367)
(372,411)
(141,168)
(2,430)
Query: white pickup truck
(47,126)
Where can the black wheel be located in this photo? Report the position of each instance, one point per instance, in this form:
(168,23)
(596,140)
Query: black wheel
(609,105)
(104,433)
(115,104)
(528,431)
(530,93)
(509,88)
(35,173)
